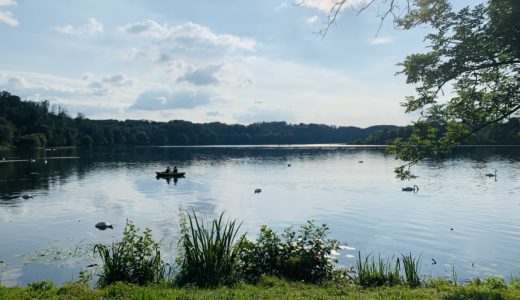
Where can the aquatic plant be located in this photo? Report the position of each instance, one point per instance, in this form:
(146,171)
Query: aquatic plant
(209,254)
(372,273)
(136,258)
(411,266)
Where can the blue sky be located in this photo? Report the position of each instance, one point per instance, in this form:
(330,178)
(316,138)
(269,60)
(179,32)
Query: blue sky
(203,61)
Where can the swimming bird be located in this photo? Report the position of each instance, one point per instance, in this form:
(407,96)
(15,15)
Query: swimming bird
(360,161)
(491,174)
(258,191)
(103,226)
(414,189)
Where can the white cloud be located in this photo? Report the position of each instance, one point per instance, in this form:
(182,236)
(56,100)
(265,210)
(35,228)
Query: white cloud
(119,79)
(92,26)
(146,28)
(132,54)
(212,113)
(203,75)
(8,18)
(7,2)
(18,83)
(280,7)
(105,85)
(87,76)
(189,36)
(381,40)
(164,99)
(326,5)
(263,115)
(312,20)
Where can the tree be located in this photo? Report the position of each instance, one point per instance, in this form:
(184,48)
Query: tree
(6,131)
(475,53)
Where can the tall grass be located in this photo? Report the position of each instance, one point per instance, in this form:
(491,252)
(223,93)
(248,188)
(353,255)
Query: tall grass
(377,273)
(209,254)
(134,259)
(412,271)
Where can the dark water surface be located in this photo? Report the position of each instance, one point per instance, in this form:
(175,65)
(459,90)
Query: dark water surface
(459,217)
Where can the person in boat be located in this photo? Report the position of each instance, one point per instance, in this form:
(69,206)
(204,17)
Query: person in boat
(175,170)
(168,170)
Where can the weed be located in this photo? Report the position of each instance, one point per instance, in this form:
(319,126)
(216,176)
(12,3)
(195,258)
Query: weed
(134,259)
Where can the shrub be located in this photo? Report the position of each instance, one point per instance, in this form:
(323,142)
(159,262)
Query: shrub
(134,259)
(303,255)
(494,282)
(209,255)
(42,285)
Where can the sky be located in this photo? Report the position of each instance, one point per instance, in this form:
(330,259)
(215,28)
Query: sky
(232,61)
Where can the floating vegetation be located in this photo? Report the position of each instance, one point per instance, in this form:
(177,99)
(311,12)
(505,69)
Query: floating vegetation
(59,255)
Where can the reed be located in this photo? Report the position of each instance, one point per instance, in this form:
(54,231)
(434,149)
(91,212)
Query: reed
(371,273)
(411,266)
(209,254)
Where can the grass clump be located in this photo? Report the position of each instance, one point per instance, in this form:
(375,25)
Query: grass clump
(209,254)
(372,272)
(136,258)
(411,266)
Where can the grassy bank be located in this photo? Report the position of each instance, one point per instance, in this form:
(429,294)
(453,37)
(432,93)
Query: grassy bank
(268,288)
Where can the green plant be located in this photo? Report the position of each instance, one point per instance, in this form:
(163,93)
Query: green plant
(42,285)
(412,267)
(454,275)
(209,255)
(303,255)
(135,259)
(371,273)
(495,282)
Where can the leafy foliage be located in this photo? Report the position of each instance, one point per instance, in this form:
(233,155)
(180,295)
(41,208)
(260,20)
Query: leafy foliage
(136,258)
(209,255)
(474,52)
(303,255)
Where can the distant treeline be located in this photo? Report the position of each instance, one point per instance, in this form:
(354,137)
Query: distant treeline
(34,124)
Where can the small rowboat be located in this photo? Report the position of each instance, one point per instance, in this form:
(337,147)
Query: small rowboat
(170,174)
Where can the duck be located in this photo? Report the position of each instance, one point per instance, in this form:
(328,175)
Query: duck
(415,188)
(491,174)
(103,226)
(258,191)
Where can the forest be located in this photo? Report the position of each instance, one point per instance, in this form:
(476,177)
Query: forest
(36,124)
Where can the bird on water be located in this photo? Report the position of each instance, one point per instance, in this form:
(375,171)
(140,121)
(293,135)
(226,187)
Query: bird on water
(415,189)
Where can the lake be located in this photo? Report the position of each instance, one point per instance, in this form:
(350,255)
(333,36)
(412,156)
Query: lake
(462,219)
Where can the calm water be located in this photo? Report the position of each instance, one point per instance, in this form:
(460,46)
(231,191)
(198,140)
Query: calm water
(459,217)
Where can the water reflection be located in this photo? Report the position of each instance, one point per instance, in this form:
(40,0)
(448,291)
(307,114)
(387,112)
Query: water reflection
(73,189)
